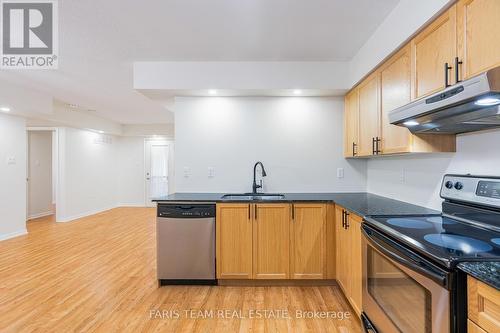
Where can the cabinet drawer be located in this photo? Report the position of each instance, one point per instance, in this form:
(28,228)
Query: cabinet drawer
(483,305)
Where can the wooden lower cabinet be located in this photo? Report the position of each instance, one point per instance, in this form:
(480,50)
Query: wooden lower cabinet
(308,241)
(274,241)
(271,241)
(483,306)
(349,260)
(234,241)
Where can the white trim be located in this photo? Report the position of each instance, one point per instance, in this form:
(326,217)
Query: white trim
(36,216)
(31,128)
(13,234)
(131,204)
(65,219)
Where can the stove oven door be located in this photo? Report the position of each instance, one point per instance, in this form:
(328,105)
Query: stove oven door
(402,292)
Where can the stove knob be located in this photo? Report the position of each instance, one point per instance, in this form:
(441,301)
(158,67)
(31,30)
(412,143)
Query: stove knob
(459,185)
(449,184)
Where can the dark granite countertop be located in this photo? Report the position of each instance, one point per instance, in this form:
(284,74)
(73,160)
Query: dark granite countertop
(487,272)
(360,203)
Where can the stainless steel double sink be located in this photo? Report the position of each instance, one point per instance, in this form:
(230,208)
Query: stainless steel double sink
(253,197)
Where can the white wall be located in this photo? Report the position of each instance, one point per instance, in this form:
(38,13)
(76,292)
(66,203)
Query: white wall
(40,174)
(298,139)
(87,174)
(12,176)
(477,153)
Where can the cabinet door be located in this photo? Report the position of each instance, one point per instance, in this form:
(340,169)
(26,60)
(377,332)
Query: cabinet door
(356,263)
(431,49)
(478,27)
(271,241)
(234,241)
(395,86)
(308,241)
(351,123)
(369,114)
(343,254)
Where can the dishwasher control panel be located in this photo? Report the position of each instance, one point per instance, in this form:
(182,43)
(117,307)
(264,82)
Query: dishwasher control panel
(186,210)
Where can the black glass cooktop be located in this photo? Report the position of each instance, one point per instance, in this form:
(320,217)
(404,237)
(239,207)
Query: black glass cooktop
(445,240)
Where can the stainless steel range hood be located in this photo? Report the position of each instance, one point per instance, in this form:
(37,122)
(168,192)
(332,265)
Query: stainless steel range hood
(467,106)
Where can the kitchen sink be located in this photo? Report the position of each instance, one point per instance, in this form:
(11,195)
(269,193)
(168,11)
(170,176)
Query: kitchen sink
(253,196)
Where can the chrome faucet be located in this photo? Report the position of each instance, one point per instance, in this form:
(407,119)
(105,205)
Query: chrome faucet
(255,187)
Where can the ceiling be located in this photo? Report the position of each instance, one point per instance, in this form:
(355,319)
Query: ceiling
(99,41)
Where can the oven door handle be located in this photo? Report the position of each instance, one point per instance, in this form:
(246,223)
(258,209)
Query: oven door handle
(420,266)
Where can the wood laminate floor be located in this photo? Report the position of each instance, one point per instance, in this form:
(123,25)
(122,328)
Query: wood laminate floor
(97,274)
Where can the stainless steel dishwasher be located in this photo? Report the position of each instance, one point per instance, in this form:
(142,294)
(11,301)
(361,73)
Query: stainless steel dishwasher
(185,236)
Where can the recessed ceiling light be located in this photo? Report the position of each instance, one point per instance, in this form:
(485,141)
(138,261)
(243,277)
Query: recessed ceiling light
(101,132)
(212,92)
(5,109)
(297,92)
(411,123)
(488,101)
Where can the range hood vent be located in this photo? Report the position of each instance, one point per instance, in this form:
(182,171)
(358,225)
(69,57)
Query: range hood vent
(467,106)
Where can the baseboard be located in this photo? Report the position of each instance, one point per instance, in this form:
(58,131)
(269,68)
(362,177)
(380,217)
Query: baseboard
(85,214)
(13,234)
(124,204)
(36,216)
(260,283)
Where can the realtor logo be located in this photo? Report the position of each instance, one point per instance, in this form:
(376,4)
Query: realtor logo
(29,33)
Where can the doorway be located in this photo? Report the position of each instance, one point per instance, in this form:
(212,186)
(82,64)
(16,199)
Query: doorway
(157,168)
(40,181)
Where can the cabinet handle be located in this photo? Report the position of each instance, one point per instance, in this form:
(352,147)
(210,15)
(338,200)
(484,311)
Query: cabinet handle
(343,219)
(346,220)
(255,212)
(377,147)
(373,146)
(457,69)
(293,212)
(447,67)
(249,209)
(354,145)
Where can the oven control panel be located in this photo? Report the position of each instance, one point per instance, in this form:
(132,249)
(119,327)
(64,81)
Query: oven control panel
(472,189)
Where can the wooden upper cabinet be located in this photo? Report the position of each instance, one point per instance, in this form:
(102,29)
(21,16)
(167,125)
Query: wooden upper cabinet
(395,89)
(478,30)
(308,241)
(369,114)
(271,240)
(234,241)
(351,123)
(432,48)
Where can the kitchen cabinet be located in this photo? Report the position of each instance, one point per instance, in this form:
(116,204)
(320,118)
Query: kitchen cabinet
(395,78)
(369,115)
(483,306)
(234,241)
(433,53)
(271,241)
(331,243)
(351,123)
(308,241)
(349,259)
(478,37)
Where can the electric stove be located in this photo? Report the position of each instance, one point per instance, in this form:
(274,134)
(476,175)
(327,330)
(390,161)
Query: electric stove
(418,255)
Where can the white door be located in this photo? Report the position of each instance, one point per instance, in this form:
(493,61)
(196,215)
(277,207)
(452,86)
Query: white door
(156,170)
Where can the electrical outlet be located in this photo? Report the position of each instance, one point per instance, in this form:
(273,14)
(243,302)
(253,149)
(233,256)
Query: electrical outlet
(211,172)
(11,160)
(340,172)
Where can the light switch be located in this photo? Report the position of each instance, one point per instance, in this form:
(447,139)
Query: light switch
(340,172)
(211,172)
(187,172)
(11,160)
